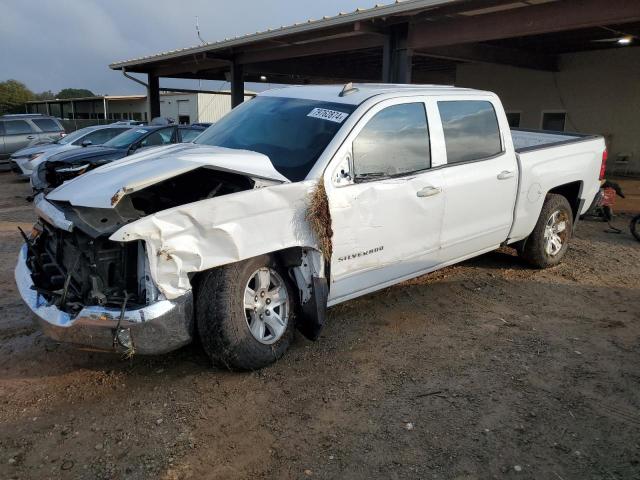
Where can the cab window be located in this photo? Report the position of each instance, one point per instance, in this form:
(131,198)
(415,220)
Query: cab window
(159,137)
(471,130)
(98,137)
(394,142)
(189,134)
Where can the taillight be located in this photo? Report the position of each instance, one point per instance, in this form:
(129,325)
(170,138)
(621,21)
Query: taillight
(603,165)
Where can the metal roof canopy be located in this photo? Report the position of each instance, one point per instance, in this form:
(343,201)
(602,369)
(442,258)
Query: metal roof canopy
(394,42)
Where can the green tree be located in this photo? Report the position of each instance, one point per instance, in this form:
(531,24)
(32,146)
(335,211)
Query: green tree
(13,95)
(75,93)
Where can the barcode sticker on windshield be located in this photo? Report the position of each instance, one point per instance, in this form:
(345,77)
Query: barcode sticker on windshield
(331,115)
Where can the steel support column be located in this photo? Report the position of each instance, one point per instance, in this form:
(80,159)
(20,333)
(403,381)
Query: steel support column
(397,56)
(237,85)
(153,97)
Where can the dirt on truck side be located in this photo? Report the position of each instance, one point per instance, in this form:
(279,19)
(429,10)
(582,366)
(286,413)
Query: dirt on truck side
(487,369)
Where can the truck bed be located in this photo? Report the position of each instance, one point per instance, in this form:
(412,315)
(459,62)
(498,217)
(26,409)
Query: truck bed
(528,140)
(548,159)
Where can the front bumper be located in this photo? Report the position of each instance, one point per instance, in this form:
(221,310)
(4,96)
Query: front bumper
(21,166)
(158,328)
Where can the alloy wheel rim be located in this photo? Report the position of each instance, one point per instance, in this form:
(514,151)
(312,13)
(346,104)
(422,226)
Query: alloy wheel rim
(266,305)
(555,233)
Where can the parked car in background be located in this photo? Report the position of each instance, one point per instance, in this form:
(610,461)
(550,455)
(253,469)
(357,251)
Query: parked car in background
(133,123)
(297,200)
(202,124)
(25,130)
(64,166)
(24,161)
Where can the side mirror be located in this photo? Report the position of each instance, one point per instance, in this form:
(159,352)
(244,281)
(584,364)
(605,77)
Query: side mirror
(86,143)
(342,174)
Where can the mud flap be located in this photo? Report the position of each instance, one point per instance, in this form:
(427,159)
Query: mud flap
(314,312)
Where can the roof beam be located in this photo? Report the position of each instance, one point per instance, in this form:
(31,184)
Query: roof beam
(307,49)
(191,65)
(476,52)
(318,68)
(531,20)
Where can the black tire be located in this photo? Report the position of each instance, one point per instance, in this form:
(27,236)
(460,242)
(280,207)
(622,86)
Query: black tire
(634,226)
(535,247)
(222,322)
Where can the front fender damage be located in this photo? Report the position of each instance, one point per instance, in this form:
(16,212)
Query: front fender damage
(209,233)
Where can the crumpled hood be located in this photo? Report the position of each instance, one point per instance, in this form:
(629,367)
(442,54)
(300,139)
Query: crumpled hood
(88,154)
(105,186)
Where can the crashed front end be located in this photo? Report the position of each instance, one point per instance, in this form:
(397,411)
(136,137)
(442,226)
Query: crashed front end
(110,262)
(96,292)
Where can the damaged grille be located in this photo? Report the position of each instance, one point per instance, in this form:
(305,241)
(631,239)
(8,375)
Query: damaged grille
(73,270)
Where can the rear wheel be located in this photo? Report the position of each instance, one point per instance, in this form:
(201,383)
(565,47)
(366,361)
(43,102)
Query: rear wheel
(548,243)
(245,313)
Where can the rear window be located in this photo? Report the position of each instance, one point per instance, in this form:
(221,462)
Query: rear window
(98,137)
(17,127)
(471,130)
(47,124)
(189,135)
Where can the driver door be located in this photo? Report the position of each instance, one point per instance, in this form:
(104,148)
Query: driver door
(385,199)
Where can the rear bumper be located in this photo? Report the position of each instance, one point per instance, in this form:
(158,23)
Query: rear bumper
(158,328)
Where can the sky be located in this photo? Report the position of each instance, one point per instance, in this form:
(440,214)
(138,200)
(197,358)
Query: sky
(56,44)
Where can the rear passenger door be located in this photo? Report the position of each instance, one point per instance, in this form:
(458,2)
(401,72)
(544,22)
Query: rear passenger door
(480,176)
(18,134)
(50,129)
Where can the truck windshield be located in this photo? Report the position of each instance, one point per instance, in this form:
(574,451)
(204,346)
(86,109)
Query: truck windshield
(292,132)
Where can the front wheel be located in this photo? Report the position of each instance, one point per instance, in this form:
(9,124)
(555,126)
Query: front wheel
(548,243)
(246,313)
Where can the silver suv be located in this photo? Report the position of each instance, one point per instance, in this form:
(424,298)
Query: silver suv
(25,130)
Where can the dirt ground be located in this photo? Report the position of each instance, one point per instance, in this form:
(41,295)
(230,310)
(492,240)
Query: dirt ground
(484,370)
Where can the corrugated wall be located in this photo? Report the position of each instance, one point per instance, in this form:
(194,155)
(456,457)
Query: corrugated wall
(212,107)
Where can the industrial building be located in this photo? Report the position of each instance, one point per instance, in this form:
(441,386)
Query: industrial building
(557,64)
(182,107)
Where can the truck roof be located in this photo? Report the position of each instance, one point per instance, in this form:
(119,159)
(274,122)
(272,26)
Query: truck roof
(357,93)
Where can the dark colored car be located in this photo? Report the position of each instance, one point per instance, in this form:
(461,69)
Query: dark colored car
(26,160)
(67,165)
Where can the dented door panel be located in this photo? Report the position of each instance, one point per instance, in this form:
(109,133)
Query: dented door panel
(383,230)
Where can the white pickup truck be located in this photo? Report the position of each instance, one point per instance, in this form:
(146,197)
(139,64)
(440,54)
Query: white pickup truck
(297,200)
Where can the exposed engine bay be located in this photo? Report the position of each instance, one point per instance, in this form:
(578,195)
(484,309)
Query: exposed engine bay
(72,269)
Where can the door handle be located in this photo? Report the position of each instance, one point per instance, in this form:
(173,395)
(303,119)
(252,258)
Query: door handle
(428,192)
(505,174)
(30,137)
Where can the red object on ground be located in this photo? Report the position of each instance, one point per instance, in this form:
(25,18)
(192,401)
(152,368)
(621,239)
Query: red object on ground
(609,197)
